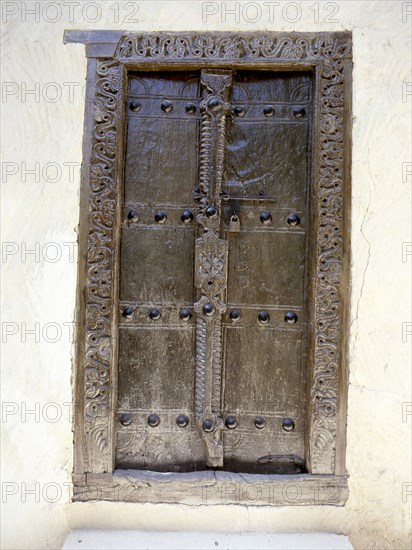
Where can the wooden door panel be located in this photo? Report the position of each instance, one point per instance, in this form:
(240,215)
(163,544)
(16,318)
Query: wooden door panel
(162,162)
(238,143)
(162,138)
(157,264)
(266,268)
(253,451)
(267,144)
(157,368)
(268,160)
(156,381)
(162,450)
(271,87)
(264,370)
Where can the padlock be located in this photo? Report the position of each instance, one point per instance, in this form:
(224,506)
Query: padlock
(234,224)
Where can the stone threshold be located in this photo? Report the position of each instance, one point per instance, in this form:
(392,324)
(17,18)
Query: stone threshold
(94,539)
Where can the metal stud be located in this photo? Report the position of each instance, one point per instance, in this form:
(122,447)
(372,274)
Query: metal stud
(155,314)
(185,314)
(234,315)
(126,419)
(135,106)
(182,421)
(260,422)
(208,425)
(211,211)
(160,216)
(153,420)
(133,216)
(298,112)
(128,312)
(208,309)
(187,216)
(190,108)
(215,104)
(269,111)
(293,220)
(266,218)
(167,106)
(263,317)
(291,317)
(288,425)
(231,422)
(239,111)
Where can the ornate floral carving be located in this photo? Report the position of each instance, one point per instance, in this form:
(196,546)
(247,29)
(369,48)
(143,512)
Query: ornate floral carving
(232,46)
(328,305)
(99,288)
(211,266)
(324,435)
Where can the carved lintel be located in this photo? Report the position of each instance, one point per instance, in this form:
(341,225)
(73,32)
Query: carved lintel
(245,46)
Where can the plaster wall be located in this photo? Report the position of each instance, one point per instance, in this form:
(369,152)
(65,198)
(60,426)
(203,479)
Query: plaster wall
(40,214)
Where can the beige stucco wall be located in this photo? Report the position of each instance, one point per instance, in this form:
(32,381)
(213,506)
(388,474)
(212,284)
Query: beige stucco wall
(40,287)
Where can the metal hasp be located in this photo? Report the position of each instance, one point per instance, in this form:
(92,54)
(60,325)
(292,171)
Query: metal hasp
(212,289)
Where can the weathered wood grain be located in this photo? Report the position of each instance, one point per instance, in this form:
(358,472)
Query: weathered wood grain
(328,56)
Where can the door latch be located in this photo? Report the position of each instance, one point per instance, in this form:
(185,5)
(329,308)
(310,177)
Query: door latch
(234,222)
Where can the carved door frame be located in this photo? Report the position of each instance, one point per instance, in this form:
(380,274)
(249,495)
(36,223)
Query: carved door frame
(111,54)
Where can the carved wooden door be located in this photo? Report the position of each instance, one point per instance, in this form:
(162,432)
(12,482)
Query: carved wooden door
(213,293)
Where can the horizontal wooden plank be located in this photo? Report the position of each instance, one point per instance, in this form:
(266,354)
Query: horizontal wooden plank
(75,36)
(214,487)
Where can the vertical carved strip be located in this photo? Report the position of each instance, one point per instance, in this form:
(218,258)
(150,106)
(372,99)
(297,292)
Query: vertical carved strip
(214,108)
(200,385)
(216,366)
(220,155)
(328,306)
(100,263)
(208,364)
(211,264)
(205,153)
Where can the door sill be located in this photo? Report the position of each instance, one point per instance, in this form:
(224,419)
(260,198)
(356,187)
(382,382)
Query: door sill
(213,487)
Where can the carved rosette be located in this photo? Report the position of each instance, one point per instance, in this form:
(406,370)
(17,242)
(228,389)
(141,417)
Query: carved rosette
(100,253)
